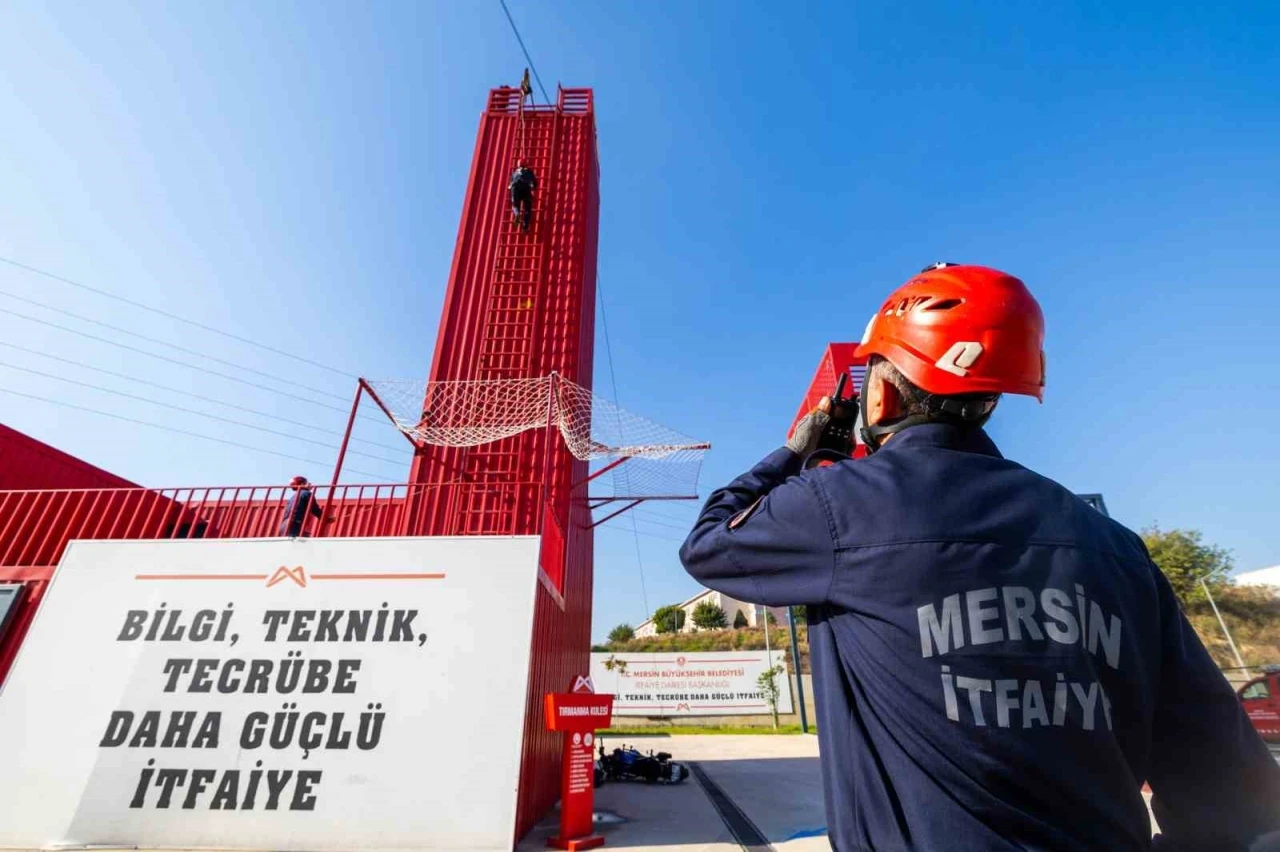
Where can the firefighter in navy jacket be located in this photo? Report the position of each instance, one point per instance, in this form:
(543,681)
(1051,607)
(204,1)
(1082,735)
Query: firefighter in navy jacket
(998,666)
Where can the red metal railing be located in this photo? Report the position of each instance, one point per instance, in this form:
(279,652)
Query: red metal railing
(35,526)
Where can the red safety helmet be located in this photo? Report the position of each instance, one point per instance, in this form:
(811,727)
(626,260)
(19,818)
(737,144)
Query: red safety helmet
(957,329)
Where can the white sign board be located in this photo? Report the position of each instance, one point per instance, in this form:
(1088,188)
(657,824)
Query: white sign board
(318,694)
(689,684)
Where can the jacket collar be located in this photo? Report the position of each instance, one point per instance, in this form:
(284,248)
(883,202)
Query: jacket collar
(944,435)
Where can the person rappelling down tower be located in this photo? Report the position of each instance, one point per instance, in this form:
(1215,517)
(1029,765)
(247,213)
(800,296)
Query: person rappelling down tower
(997,665)
(523,183)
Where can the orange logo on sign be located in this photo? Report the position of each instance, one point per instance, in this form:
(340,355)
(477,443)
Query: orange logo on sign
(680,661)
(296,574)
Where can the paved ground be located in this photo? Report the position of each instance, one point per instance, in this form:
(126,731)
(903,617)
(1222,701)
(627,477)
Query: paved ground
(768,786)
(772,781)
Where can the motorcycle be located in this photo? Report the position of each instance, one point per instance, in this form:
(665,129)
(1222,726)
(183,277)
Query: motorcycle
(628,764)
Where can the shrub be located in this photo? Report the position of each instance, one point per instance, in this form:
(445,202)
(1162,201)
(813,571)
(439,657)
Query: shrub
(768,683)
(1185,560)
(621,633)
(669,619)
(709,616)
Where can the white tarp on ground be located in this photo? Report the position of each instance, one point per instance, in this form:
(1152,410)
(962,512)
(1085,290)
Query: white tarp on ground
(272,694)
(689,684)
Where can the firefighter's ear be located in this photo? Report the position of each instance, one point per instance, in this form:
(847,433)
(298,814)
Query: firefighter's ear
(884,403)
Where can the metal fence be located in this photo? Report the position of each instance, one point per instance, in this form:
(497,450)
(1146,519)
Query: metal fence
(35,526)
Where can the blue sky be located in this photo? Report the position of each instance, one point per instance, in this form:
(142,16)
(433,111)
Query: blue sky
(293,172)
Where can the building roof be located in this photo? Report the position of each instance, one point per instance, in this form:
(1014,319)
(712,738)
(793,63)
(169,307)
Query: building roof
(1261,577)
(1096,501)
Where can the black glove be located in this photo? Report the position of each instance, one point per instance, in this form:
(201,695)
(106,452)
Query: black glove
(804,440)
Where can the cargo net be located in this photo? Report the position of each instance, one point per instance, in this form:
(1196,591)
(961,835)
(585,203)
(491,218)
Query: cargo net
(645,460)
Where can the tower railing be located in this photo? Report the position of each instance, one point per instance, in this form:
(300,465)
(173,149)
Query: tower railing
(35,526)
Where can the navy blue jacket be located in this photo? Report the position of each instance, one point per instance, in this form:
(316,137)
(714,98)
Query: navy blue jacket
(997,665)
(295,512)
(523,180)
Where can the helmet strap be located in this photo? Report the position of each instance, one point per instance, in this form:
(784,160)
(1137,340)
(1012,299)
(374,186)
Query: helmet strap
(969,412)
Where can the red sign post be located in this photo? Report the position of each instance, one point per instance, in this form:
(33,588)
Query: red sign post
(578,713)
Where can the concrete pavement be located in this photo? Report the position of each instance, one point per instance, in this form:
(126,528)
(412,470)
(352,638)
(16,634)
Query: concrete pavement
(772,781)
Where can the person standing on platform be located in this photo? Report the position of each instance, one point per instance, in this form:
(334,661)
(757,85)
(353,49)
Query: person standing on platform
(301,503)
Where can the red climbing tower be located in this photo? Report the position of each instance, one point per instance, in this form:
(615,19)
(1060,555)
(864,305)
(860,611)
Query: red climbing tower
(522,305)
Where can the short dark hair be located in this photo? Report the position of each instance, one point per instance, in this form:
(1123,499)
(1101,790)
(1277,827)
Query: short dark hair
(918,402)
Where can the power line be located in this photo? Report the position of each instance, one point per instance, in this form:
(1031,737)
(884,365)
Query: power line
(186,410)
(159,342)
(176,317)
(611,528)
(527,58)
(661,524)
(193,395)
(652,510)
(613,381)
(186,364)
(236,444)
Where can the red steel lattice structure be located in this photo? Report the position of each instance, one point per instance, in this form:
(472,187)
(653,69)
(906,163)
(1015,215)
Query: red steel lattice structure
(518,305)
(522,305)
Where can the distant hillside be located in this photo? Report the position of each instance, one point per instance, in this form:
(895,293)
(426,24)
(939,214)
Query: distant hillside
(1251,613)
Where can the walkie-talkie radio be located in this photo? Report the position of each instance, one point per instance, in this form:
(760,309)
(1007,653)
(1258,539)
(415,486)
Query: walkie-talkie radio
(838,433)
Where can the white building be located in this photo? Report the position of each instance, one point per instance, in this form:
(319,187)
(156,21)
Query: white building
(1261,577)
(753,613)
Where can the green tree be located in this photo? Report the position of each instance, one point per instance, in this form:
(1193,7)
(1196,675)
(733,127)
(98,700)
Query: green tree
(799,615)
(768,683)
(1186,560)
(621,633)
(740,620)
(668,619)
(709,616)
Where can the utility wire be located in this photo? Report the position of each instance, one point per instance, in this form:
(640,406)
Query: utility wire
(194,395)
(186,364)
(178,318)
(648,510)
(613,381)
(685,524)
(159,342)
(178,431)
(186,410)
(527,58)
(608,525)
(661,524)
